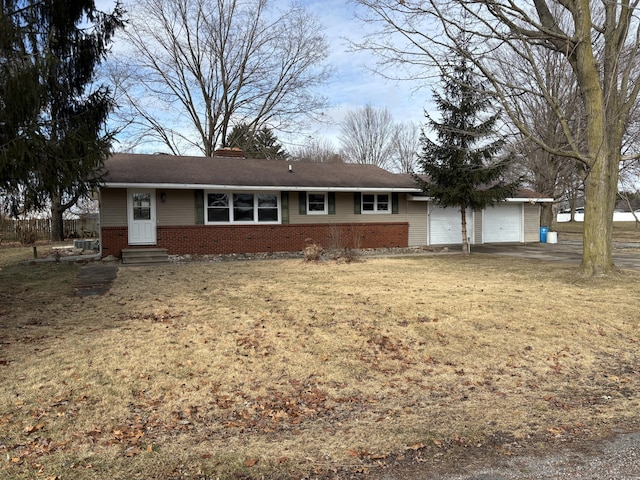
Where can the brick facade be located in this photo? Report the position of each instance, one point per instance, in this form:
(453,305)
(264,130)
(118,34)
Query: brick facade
(225,239)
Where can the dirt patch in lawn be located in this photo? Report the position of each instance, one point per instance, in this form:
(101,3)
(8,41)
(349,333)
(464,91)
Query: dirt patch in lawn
(288,369)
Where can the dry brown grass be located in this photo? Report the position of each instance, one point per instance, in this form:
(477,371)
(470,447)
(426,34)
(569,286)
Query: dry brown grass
(284,368)
(622,231)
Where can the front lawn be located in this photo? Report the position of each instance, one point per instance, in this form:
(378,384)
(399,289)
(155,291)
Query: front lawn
(288,369)
(622,231)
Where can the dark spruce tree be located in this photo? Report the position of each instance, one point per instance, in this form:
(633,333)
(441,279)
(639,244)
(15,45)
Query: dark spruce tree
(459,167)
(256,144)
(53,138)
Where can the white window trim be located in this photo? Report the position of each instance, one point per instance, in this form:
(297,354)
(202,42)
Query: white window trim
(231,221)
(326,204)
(375,210)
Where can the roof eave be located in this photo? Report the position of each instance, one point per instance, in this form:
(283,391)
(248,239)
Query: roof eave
(189,186)
(424,198)
(530,200)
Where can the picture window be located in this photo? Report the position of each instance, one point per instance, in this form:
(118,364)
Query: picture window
(242,207)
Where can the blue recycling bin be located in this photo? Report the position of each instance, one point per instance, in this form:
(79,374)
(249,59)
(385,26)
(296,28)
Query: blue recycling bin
(543,234)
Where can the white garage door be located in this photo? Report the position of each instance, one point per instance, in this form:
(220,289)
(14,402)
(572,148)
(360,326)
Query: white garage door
(502,223)
(445,225)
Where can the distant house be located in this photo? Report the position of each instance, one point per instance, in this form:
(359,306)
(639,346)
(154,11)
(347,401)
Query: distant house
(226,204)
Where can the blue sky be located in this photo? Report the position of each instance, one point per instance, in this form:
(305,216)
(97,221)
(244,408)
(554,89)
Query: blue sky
(352,86)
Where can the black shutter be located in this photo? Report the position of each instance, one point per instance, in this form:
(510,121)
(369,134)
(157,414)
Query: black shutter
(357,203)
(332,203)
(199,205)
(394,203)
(302,203)
(284,206)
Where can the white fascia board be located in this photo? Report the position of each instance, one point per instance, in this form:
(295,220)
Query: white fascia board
(529,200)
(184,186)
(413,198)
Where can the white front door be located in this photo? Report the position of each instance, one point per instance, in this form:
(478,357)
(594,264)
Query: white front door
(141,212)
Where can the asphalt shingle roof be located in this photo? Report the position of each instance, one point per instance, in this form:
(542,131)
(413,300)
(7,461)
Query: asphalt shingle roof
(131,169)
(222,171)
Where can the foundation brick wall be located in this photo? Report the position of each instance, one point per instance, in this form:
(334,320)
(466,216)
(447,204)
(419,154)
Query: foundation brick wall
(226,239)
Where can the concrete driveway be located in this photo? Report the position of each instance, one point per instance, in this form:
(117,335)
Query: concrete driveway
(615,458)
(625,255)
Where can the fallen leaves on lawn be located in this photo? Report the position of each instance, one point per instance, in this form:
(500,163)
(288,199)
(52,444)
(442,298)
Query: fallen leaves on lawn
(278,409)
(312,371)
(29,429)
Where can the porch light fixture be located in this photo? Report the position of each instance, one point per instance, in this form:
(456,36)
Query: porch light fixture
(163,197)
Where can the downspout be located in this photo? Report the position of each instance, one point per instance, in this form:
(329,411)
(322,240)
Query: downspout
(100,222)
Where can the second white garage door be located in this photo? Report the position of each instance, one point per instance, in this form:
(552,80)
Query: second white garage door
(502,223)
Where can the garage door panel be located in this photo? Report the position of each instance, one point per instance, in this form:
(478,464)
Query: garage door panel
(502,223)
(445,226)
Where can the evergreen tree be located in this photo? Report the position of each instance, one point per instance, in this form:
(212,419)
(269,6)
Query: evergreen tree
(52,138)
(268,146)
(459,165)
(256,144)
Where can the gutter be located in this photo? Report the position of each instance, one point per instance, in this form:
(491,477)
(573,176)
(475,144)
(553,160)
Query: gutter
(414,198)
(261,188)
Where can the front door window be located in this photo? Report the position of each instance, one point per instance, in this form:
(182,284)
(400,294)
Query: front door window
(142,206)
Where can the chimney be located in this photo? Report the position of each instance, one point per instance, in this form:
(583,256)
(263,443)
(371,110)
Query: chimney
(230,152)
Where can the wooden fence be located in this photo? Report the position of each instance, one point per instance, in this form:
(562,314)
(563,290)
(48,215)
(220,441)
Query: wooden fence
(40,229)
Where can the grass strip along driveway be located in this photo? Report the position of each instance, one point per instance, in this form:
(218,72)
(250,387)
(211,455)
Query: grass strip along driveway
(287,369)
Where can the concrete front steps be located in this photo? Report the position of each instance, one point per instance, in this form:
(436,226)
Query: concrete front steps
(144,255)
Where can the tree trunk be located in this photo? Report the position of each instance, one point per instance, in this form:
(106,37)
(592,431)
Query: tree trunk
(604,128)
(600,197)
(546,215)
(57,225)
(463,217)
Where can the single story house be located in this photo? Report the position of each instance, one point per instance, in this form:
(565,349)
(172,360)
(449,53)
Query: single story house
(226,204)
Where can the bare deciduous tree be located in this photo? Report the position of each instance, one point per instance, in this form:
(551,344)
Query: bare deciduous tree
(317,150)
(598,41)
(406,146)
(366,136)
(548,173)
(196,67)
